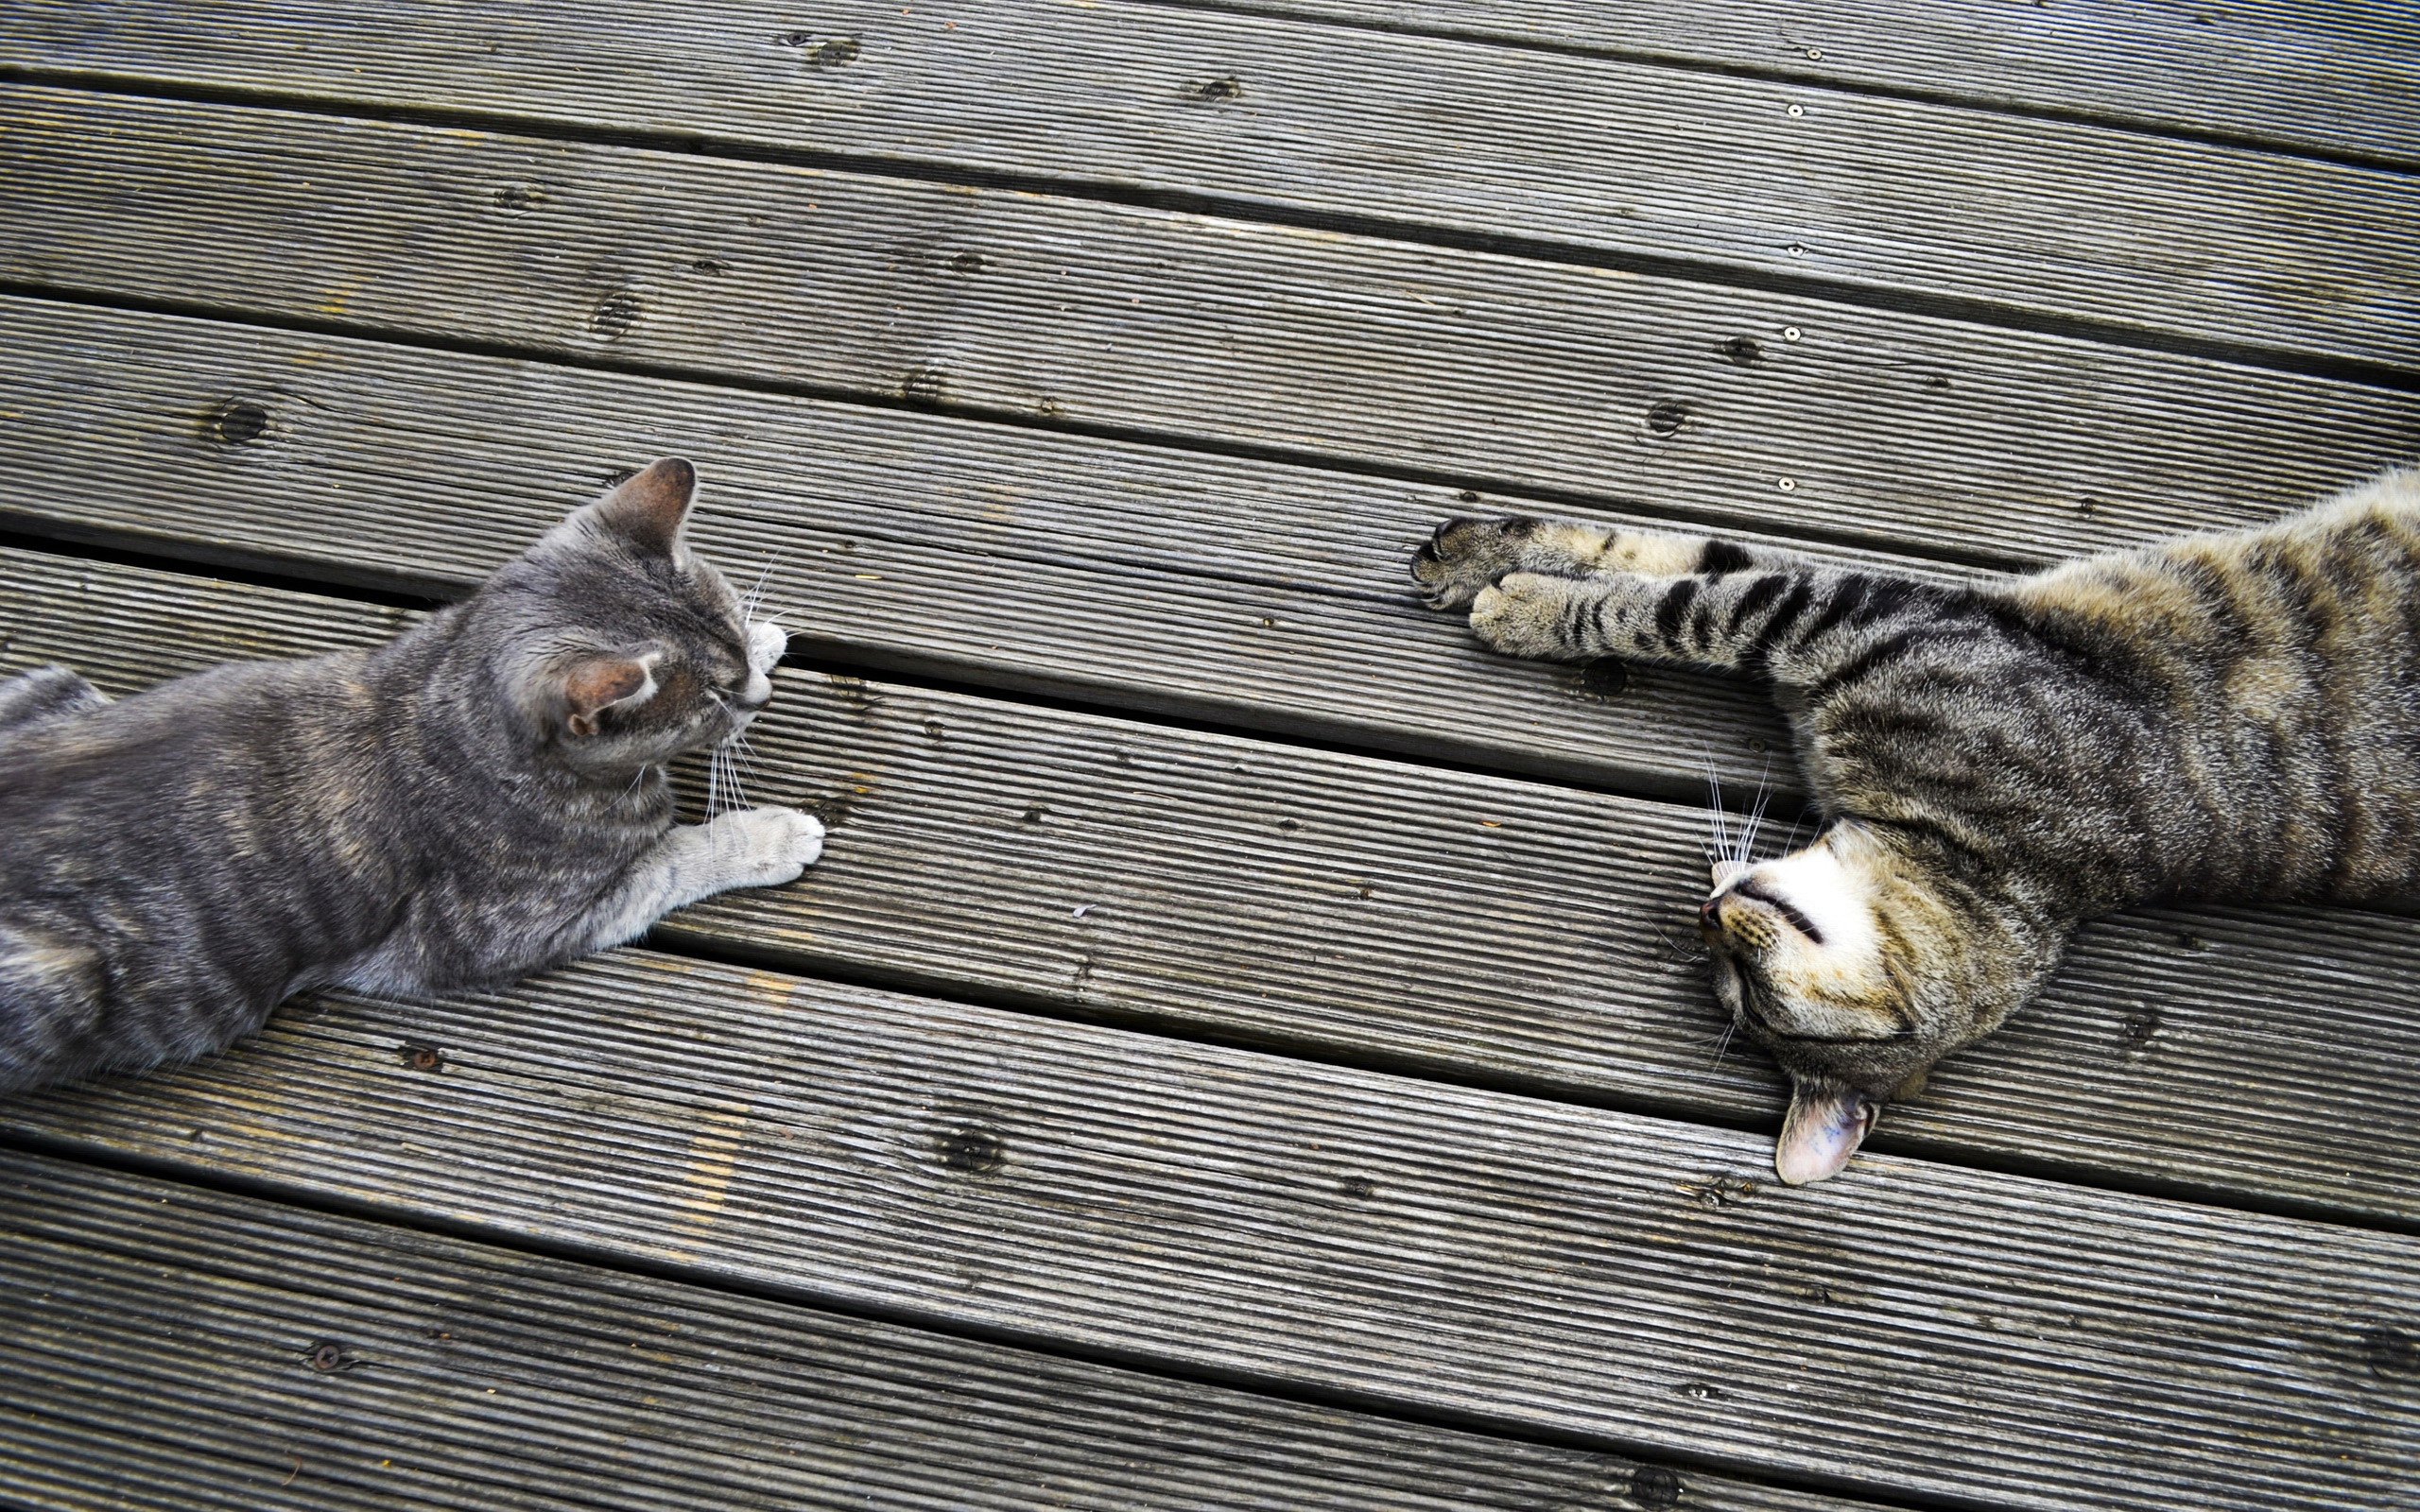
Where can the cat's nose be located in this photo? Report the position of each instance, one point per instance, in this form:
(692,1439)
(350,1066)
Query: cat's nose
(1708,910)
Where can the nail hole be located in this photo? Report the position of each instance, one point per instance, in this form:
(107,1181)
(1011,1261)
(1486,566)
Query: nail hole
(421,1057)
(835,53)
(1357,1187)
(710,265)
(1219,89)
(968,263)
(1744,352)
(519,197)
(1666,416)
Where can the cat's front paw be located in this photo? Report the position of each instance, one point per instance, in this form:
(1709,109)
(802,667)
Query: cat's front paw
(1465,555)
(765,848)
(1523,615)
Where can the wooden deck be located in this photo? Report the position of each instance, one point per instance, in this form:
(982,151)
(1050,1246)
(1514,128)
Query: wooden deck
(1183,1084)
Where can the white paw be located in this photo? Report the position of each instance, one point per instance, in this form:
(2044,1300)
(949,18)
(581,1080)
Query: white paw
(764,848)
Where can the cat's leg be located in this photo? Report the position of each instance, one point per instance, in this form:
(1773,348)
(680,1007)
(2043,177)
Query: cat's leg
(753,847)
(45,692)
(1466,554)
(1800,624)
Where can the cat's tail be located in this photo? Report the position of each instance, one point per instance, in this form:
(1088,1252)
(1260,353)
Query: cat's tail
(45,692)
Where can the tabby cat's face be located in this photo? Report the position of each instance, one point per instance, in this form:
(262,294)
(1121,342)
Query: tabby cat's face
(624,648)
(1857,969)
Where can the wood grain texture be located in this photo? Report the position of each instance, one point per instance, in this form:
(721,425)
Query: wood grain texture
(1455,924)
(2336,79)
(1894,432)
(2034,218)
(1917,1327)
(158,1347)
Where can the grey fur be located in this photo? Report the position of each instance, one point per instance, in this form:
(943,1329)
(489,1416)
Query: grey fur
(480,797)
(2222,717)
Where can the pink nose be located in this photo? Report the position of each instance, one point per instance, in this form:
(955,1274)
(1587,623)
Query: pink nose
(1708,909)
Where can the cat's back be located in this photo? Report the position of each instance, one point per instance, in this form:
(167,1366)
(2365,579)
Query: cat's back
(2277,671)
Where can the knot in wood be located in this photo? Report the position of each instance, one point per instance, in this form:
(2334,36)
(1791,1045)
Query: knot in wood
(615,313)
(974,1151)
(833,52)
(1652,1486)
(238,422)
(1230,88)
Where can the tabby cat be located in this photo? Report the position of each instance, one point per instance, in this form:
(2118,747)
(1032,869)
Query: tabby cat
(479,797)
(2219,717)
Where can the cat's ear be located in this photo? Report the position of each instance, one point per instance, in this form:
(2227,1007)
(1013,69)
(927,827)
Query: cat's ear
(650,506)
(1824,1127)
(593,685)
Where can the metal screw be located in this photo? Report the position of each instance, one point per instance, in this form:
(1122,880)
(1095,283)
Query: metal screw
(327,1356)
(1815,55)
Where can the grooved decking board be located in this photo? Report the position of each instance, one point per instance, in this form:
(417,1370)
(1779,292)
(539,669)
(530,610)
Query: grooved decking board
(157,1340)
(1894,432)
(2033,218)
(1468,925)
(1911,1330)
(2340,79)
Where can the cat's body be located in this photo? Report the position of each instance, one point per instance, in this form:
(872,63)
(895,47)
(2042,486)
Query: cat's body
(477,799)
(2219,717)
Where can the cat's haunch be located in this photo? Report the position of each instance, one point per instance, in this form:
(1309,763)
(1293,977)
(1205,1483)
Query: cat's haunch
(477,799)
(2219,717)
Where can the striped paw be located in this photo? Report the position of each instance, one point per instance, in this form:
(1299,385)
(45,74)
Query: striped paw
(1467,554)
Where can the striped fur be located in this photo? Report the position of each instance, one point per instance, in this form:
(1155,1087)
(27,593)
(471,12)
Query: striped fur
(2220,717)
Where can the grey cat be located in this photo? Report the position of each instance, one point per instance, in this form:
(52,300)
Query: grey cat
(480,797)
(2224,717)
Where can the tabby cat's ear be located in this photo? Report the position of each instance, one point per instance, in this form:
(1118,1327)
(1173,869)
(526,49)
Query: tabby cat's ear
(1824,1127)
(649,507)
(594,684)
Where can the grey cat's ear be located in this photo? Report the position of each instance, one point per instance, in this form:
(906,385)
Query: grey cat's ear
(650,506)
(592,686)
(1824,1127)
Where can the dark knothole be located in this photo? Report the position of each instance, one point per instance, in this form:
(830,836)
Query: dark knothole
(237,423)
(1605,678)
(1652,1486)
(974,1151)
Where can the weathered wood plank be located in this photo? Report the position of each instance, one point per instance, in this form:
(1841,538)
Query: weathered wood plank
(158,1343)
(1894,432)
(2039,219)
(1240,592)
(1466,925)
(1917,1329)
(2338,79)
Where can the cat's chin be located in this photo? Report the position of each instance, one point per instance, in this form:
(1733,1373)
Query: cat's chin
(1824,1127)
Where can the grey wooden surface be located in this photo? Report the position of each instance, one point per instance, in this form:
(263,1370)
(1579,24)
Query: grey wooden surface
(1895,431)
(1931,1329)
(1895,199)
(1249,593)
(467,1377)
(2338,79)
(1213,884)
(1118,353)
